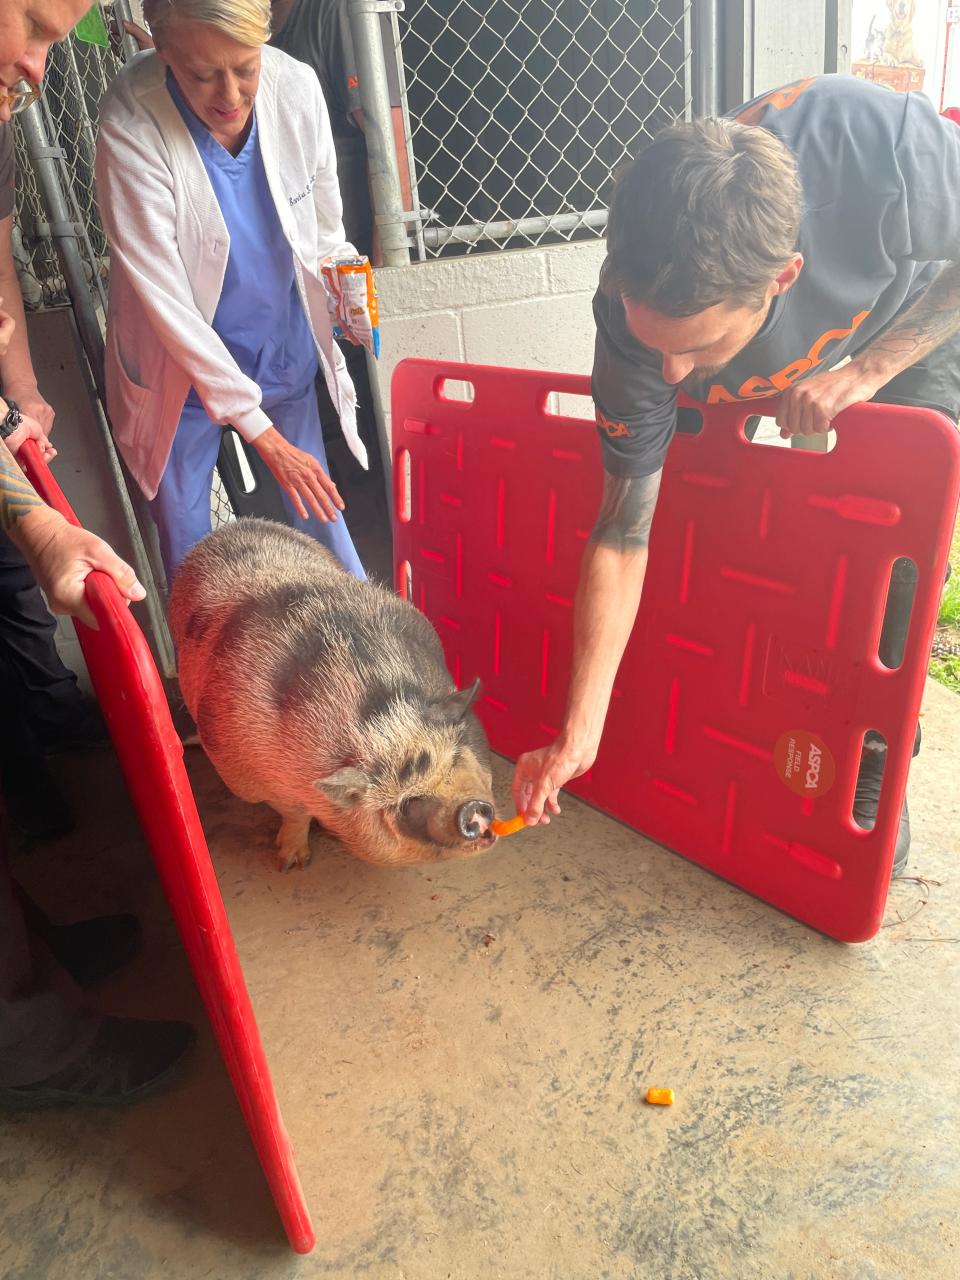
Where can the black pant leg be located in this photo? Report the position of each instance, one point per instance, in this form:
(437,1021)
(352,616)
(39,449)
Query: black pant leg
(44,1024)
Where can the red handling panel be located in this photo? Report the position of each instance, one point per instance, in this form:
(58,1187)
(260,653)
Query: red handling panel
(752,675)
(151,756)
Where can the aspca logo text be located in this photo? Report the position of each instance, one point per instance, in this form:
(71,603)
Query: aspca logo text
(611,427)
(814,764)
(756,387)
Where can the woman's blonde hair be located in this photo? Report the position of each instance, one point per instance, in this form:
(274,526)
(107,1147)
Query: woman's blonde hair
(247,21)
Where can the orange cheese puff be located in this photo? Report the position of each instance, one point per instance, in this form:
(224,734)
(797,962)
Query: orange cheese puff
(508,828)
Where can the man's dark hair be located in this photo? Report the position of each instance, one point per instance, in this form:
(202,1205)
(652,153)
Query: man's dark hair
(708,212)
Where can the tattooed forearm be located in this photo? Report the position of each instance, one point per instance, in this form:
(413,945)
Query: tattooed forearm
(928,323)
(626,512)
(17,494)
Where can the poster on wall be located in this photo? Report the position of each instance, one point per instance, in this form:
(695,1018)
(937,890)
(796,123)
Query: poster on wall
(909,45)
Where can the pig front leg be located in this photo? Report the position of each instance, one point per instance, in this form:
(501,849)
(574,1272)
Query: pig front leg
(293,840)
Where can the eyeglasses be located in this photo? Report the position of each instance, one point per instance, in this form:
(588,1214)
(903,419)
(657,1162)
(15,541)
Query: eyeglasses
(22,95)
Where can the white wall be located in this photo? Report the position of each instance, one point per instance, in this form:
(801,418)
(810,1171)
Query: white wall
(525,308)
(787,43)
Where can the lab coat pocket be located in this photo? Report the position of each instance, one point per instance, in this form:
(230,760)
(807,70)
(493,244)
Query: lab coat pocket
(127,400)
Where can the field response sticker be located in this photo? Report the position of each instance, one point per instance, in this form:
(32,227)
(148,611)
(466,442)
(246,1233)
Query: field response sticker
(804,763)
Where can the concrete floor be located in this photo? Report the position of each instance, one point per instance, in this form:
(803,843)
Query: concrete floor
(461,1053)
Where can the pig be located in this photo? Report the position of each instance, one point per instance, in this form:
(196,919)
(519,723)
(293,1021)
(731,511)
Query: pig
(328,698)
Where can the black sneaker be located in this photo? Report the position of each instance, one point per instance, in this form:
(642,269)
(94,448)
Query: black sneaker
(867,798)
(36,805)
(91,950)
(127,1061)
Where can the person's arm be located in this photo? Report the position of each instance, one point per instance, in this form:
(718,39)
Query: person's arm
(809,407)
(60,555)
(17,378)
(921,224)
(608,596)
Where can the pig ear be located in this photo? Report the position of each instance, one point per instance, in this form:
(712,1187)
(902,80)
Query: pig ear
(455,706)
(345,787)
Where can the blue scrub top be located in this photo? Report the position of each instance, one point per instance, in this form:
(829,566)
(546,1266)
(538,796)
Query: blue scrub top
(259,317)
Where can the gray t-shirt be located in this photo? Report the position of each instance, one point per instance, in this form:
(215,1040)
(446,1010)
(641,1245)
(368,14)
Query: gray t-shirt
(880,176)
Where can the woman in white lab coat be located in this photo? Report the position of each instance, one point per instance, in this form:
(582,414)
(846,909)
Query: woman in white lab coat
(217,184)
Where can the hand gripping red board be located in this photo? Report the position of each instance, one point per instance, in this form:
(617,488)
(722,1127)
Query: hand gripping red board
(735,729)
(151,757)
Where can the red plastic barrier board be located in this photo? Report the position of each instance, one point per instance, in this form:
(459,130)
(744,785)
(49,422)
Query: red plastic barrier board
(735,729)
(151,756)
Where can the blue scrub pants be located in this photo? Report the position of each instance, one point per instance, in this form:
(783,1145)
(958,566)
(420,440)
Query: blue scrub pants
(181,509)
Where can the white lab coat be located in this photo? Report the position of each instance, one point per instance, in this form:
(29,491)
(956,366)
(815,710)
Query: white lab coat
(169,247)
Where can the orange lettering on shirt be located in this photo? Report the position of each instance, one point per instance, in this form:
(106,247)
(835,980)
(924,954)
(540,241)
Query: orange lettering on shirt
(779,98)
(791,373)
(720,395)
(613,429)
(756,386)
(814,356)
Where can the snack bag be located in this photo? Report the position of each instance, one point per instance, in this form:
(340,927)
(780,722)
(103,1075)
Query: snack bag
(352,300)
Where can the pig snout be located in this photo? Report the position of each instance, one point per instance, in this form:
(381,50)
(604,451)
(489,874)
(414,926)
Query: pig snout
(474,818)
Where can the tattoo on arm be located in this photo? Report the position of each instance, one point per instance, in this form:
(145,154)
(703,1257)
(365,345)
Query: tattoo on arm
(928,323)
(17,494)
(626,512)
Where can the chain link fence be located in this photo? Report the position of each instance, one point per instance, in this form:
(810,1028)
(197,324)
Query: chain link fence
(521,111)
(76,78)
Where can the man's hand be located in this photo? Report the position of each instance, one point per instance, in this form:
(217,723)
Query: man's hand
(31,403)
(809,407)
(300,475)
(539,775)
(7,327)
(61,556)
(611,579)
(30,429)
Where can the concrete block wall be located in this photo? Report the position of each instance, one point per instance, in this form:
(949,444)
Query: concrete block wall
(524,308)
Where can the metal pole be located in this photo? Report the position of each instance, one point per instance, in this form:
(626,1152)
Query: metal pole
(706,59)
(838,18)
(373,377)
(378,127)
(79,221)
(123,12)
(408,137)
(44,158)
(473,232)
(735,46)
(142,562)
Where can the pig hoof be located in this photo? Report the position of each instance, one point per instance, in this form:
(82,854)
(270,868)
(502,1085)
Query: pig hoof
(287,859)
(293,842)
